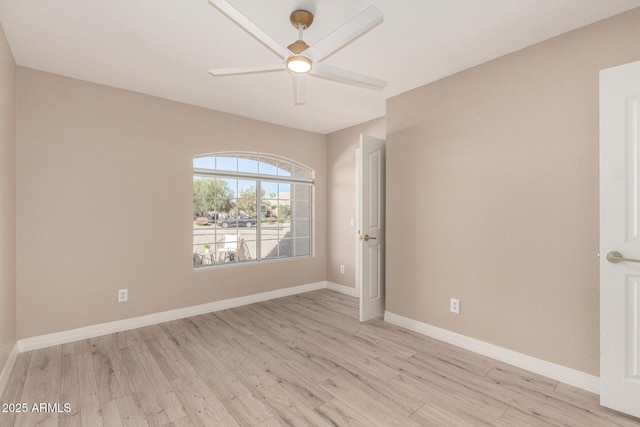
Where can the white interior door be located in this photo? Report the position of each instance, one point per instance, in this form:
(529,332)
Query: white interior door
(620,238)
(370,213)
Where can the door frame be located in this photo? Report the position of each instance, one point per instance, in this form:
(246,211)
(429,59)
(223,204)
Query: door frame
(356,234)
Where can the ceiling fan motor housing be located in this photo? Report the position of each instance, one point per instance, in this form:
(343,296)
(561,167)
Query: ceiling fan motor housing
(301,17)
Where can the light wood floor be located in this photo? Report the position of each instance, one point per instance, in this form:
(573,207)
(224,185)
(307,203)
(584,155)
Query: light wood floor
(302,360)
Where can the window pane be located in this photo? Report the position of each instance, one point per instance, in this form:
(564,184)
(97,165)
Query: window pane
(247,198)
(302,247)
(208,162)
(248,165)
(222,195)
(200,197)
(226,246)
(285,248)
(302,191)
(301,209)
(280,249)
(267,167)
(284,212)
(247,251)
(284,191)
(227,164)
(269,201)
(302,228)
(269,248)
(203,224)
(270,189)
(285,168)
(300,172)
(276,232)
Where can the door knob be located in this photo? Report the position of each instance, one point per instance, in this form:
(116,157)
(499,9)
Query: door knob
(615,257)
(367,238)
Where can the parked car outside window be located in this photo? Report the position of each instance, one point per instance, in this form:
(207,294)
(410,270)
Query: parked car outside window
(237,221)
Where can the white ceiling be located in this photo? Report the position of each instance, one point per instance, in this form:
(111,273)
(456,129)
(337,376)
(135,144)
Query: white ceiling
(165,47)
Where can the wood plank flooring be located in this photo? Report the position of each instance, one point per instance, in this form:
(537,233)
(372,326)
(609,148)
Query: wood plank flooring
(302,360)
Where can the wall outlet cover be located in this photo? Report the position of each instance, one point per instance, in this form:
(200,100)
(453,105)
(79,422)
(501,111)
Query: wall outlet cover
(454,305)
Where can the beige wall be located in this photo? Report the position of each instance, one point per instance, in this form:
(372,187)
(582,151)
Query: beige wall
(497,167)
(341,196)
(7,201)
(104,201)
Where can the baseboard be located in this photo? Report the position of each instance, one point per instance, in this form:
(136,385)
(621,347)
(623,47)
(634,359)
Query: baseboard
(57,338)
(5,374)
(352,292)
(560,373)
(557,372)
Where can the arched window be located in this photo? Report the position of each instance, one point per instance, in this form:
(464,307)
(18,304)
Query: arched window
(250,207)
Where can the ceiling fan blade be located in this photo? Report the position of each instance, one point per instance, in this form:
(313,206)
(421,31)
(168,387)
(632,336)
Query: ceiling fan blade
(299,88)
(250,27)
(360,24)
(246,70)
(349,77)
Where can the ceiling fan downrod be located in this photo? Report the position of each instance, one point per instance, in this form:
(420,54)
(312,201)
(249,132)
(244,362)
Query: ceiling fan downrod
(301,20)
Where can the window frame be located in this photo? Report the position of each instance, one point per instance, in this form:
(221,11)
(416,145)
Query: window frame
(259,178)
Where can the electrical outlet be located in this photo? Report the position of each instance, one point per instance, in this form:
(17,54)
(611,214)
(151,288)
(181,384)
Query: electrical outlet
(342,268)
(123,295)
(454,305)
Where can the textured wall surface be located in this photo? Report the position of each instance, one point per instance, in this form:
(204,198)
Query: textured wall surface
(104,202)
(7,201)
(492,178)
(341,198)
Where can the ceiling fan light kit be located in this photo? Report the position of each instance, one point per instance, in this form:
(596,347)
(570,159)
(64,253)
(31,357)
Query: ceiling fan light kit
(298,65)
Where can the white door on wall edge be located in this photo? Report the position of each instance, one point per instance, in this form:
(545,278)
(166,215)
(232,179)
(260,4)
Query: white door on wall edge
(620,238)
(371,239)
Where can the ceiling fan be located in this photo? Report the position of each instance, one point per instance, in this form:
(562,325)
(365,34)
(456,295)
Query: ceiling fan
(300,59)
